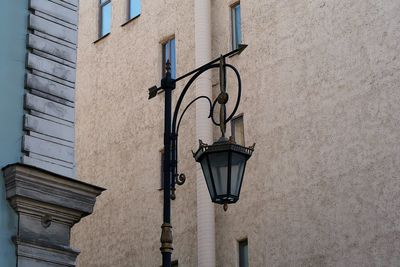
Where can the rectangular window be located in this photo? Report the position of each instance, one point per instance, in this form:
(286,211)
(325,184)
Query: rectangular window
(237,129)
(243,253)
(236,26)
(105,17)
(168,53)
(134,8)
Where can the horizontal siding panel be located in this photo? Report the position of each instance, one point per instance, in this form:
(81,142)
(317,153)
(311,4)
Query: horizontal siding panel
(50,87)
(51,160)
(49,107)
(52,98)
(48,66)
(54,29)
(55,10)
(65,4)
(49,166)
(51,139)
(56,20)
(51,118)
(54,39)
(52,48)
(53,58)
(48,149)
(32,123)
(71,2)
(52,78)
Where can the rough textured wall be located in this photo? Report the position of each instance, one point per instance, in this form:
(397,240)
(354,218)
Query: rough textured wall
(13,23)
(320,81)
(321,99)
(119,135)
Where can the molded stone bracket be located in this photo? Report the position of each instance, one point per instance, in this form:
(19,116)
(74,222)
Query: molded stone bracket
(48,205)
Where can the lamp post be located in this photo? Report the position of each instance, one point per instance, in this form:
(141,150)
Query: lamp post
(223,163)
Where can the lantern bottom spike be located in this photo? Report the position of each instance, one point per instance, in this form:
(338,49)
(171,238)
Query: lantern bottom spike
(225,206)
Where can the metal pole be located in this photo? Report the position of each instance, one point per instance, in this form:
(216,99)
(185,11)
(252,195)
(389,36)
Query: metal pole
(166,228)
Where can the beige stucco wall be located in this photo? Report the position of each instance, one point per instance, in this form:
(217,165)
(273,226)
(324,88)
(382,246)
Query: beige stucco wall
(120,135)
(320,99)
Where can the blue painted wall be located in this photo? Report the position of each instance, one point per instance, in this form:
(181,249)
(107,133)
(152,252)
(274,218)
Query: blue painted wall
(13,25)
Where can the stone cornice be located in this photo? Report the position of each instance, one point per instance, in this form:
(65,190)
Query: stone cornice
(40,186)
(48,205)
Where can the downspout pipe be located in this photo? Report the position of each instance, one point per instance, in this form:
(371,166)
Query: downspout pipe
(205,208)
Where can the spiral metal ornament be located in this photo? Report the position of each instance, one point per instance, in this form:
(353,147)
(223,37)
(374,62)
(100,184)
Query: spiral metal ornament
(181,179)
(223,98)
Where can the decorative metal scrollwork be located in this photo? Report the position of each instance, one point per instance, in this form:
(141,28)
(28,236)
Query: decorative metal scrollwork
(181,179)
(221,99)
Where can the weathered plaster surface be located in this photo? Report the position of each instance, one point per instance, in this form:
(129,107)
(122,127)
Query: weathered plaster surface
(119,135)
(320,99)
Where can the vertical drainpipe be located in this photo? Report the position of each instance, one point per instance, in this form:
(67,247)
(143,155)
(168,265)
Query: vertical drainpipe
(205,208)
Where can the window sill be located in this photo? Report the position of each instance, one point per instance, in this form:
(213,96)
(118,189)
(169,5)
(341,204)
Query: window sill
(132,19)
(101,38)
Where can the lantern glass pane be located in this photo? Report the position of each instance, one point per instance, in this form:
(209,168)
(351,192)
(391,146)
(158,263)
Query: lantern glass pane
(219,168)
(207,176)
(237,171)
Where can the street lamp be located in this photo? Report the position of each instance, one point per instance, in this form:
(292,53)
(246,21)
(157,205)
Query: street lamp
(223,163)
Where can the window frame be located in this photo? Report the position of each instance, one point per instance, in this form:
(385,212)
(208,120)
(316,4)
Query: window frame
(233,128)
(164,58)
(130,17)
(240,245)
(235,44)
(102,4)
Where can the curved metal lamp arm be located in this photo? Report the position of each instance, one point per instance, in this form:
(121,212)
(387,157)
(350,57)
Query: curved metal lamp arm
(181,178)
(185,89)
(174,167)
(237,101)
(187,107)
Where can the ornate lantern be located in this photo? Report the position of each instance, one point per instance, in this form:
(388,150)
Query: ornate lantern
(223,164)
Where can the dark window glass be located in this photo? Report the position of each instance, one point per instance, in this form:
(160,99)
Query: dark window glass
(243,253)
(105,17)
(219,171)
(236,26)
(237,169)
(169,54)
(134,8)
(237,130)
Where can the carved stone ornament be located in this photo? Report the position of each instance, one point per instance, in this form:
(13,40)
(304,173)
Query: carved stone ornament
(47,205)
